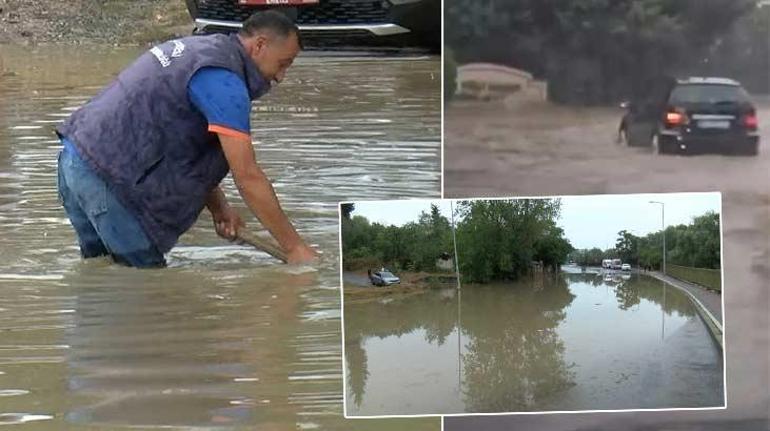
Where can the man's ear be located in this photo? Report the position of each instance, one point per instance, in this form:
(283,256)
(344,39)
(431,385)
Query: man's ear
(260,42)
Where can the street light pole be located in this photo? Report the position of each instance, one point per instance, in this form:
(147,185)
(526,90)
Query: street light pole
(459,303)
(663,230)
(454,241)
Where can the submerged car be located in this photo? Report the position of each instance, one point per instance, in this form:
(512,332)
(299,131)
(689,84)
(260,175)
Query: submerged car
(334,22)
(693,115)
(625,267)
(384,278)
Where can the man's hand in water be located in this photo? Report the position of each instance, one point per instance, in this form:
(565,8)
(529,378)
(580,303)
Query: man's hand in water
(301,254)
(227,222)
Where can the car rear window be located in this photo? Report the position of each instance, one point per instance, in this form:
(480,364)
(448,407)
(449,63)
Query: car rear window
(708,93)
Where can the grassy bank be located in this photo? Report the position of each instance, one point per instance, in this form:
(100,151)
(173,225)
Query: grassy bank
(412,283)
(708,278)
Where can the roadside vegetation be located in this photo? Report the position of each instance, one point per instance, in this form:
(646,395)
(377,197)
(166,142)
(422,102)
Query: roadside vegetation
(497,240)
(695,245)
(598,51)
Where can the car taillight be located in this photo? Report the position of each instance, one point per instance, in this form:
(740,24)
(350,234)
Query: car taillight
(676,117)
(751,121)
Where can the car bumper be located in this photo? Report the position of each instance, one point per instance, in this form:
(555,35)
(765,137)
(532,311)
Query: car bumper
(373,29)
(418,21)
(729,143)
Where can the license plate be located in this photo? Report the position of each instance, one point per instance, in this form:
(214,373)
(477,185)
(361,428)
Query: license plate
(277,2)
(714,124)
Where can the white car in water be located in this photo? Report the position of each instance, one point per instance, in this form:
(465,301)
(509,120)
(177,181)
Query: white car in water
(625,267)
(384,278)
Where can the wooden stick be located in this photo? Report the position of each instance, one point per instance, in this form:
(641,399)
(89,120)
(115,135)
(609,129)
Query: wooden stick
(247,237)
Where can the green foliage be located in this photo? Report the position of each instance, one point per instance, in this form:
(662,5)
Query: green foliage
(346,210)
(710,278)
(496,240)
(499,239)
(743,53)
(591,257)
(694,245)
(414,246)
(626,247)
(594,51)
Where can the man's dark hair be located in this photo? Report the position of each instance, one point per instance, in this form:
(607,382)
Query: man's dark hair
(272,21)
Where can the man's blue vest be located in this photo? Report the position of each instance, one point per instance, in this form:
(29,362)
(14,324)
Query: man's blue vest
(144,137)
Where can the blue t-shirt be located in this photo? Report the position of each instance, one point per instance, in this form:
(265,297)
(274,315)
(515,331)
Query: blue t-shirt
(223,98)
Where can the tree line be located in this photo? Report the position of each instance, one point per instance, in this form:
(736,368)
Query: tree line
(415,246)
(603,51)
(696,244)
(496,239)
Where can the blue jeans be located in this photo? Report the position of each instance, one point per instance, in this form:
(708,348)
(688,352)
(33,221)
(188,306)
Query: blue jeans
(103,225)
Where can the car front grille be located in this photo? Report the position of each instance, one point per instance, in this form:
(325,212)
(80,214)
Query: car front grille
(327,12)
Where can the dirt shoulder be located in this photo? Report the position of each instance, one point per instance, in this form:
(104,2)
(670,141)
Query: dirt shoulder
(412,283)
(135,22)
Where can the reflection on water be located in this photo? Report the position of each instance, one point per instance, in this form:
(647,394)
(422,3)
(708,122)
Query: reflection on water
(225,337)
(573,342)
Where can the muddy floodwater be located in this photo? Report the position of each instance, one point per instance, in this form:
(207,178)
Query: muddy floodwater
(545,149)
(579,341)
(224,338)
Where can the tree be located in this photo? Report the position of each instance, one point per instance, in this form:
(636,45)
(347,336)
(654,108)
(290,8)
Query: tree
(346,210)
(414,246)
(627,247)
(499,239)
(552,248)
(593,51)
(697,244)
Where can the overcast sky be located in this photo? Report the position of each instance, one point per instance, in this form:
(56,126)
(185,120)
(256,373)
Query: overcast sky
(400,212)
(588,221)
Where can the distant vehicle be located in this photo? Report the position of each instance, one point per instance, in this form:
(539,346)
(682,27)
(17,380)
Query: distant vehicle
(394,23)
(607,263)
(384,278)
(625,267)
(693,115)
(617,263)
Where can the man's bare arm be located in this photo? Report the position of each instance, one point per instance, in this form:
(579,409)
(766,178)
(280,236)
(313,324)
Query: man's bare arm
(258,193)
(216,201)
(227,222)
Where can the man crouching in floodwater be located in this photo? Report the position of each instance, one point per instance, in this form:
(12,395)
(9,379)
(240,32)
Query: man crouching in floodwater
(143,157)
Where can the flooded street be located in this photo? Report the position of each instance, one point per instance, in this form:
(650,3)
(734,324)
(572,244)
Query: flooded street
(225,337)
(546,150)
(574,342)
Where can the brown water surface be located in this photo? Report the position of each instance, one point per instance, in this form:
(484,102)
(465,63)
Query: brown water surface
(224,337)
(580,341)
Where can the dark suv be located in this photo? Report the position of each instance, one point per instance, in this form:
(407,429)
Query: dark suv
(334,22)
(693,115)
